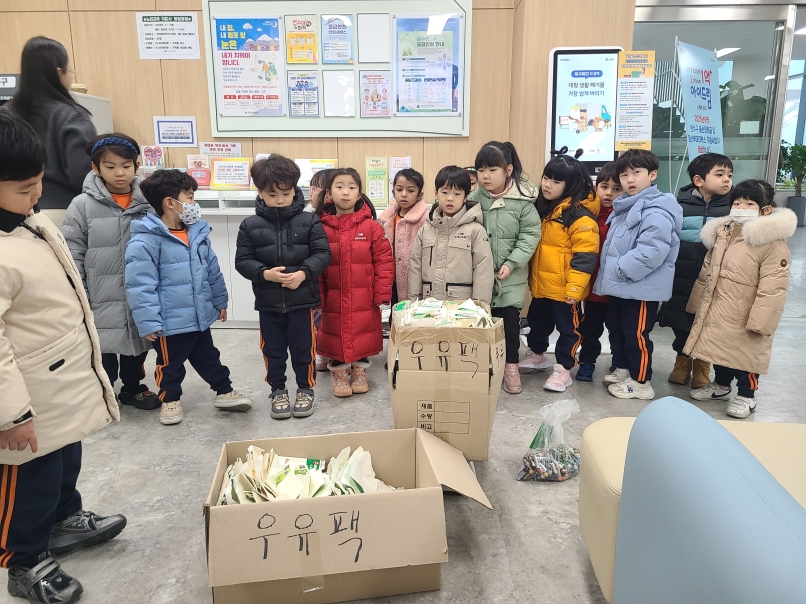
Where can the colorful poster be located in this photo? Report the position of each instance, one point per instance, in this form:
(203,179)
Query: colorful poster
(300,39)
(337,38)
(230,173)
(634,100)
(303,94)
(396,164)
(309,167)
(175,131)
(377,182)
(168,35)
(428,67)
(376,94)
(199,169)
(220,149)
(249,67)
(699,83)
(153,156)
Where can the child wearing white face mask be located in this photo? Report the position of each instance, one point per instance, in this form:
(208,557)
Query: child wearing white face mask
(176,292)
(740,294)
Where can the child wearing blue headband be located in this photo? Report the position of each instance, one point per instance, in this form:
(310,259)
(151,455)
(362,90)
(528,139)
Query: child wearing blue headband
(96,227)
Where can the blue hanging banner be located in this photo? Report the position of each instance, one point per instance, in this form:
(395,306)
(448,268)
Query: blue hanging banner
(699,82)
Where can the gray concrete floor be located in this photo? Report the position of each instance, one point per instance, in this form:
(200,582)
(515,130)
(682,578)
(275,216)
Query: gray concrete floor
(528,549)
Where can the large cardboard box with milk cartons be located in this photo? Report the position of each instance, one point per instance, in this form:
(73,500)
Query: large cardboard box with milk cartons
(338,548)
(446,381)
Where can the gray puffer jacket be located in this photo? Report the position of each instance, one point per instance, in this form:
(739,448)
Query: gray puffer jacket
(97,230)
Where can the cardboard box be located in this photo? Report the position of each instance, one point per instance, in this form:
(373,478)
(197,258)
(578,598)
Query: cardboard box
(338,548)
(446,381)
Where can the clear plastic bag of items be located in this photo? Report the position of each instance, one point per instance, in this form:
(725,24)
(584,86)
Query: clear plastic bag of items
(549,458)
(433,313)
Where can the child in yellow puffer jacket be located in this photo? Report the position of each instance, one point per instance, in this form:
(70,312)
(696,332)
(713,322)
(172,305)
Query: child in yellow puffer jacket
(561,268)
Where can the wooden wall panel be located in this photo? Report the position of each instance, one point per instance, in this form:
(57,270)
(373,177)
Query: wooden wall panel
(485,4)
(17,28)
(13,6)
(112,5)
(297,148)
(133,86)
(353,152)
(181,5)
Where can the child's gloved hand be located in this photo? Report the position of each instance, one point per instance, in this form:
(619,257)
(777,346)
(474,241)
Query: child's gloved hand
(19,437)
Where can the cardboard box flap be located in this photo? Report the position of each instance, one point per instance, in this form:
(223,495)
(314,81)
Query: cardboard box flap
(448,467)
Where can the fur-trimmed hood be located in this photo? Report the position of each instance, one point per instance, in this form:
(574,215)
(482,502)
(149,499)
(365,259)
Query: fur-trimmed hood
(779,225)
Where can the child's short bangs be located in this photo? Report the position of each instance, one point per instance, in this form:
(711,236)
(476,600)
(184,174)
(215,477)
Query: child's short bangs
(559,169)
(453,177)
(490,157)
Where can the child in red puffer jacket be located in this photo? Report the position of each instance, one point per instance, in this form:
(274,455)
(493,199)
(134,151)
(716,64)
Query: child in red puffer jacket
(608,188)
(358,280)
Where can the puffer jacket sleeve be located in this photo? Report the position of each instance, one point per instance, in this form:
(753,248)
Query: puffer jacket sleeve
(142,279)
(772,286)
(383,263)
(416,269)
(216,280)
(584,234)
(651,247)
(74,229)
(483,272)
(528,236)
(15,401)
(246,263)
(319,247)
(695,299)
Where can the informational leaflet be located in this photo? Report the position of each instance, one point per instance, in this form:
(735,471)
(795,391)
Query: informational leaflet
(300,39)
(396,164)
(337,38)
(168,35)
(376,94)
(175,131)
(249,67)
(220,149)
(428,67)
(303,94)
(377,172)
(199,169)
(153,156)
(230,173)
(636,83)
(699,84)
(309,167)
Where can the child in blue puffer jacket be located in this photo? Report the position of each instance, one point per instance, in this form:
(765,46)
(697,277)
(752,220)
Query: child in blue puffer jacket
(176,291)
(637,270)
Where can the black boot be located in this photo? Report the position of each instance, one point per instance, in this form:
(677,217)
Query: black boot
(45,582)
(139,397)
(84,529)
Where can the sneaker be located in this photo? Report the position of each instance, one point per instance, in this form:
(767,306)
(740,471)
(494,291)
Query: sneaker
(280,405)
(303,404)
(617,375)
(741,407)
(534,362)
(700,374)
(84,528)
(512,379)
(632,389)
(559,380)
(585,372)
(141,398)
(681,371)
(45,582)
(321,363)
(171,412)
(710,391)
(233,402)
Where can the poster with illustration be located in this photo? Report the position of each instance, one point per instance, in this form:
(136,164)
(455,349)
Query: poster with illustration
(199,169)
(377,177)
(300,39)
(249,75)
(303,94)
(429,65)
(376,94)
(337,38)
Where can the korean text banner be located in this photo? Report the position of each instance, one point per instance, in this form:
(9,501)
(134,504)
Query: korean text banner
(699,83)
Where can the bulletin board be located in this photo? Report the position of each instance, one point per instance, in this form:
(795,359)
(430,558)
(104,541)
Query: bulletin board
(339,68)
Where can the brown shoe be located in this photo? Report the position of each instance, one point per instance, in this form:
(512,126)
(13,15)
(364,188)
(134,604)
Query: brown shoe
(341,380)
(682,370)
(701,374)
(358,380)
(512,379)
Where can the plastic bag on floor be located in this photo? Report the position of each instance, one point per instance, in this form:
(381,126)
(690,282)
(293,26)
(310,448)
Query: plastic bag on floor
(549,458)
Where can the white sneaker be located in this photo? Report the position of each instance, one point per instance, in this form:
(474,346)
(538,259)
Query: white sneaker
(534,363)
(171,412)
(616,376)
(632,389)
(233,402)
(709,392)
(741,407)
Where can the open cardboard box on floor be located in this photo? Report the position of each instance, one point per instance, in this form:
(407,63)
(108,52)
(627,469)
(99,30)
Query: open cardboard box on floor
(446,381)
(338,548)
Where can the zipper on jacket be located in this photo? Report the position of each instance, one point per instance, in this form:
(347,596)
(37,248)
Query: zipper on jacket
(280,260)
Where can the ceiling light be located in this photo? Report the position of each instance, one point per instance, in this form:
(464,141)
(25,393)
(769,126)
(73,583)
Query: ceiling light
(801,32)
(770,77)
(726,51)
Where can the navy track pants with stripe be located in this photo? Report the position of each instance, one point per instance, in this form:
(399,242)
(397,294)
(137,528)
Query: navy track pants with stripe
(629,323)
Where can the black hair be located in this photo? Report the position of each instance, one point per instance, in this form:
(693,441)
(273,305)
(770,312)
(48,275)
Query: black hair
(453,176)
(572,172)
(761,192)
(275,172)
(118,143)
(607,173)
(331,176)
(705,163)
(41,60)
(22,154)
(501,155)
(410,174)
(166,183)
(318,178)
(637,158)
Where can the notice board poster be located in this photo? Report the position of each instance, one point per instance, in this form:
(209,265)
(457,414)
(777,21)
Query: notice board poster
(376,94)
(428,66)
(168,35)
(636,79)
(337,39)
(698,69)
(303,94)
(249,75)
(300,39)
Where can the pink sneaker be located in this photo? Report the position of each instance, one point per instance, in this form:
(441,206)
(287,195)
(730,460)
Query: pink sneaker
(512,380)
(559,380)
(534,362)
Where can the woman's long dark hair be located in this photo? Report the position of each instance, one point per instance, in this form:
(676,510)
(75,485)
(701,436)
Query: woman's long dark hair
(42,58)
(501,155)
(578,184)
